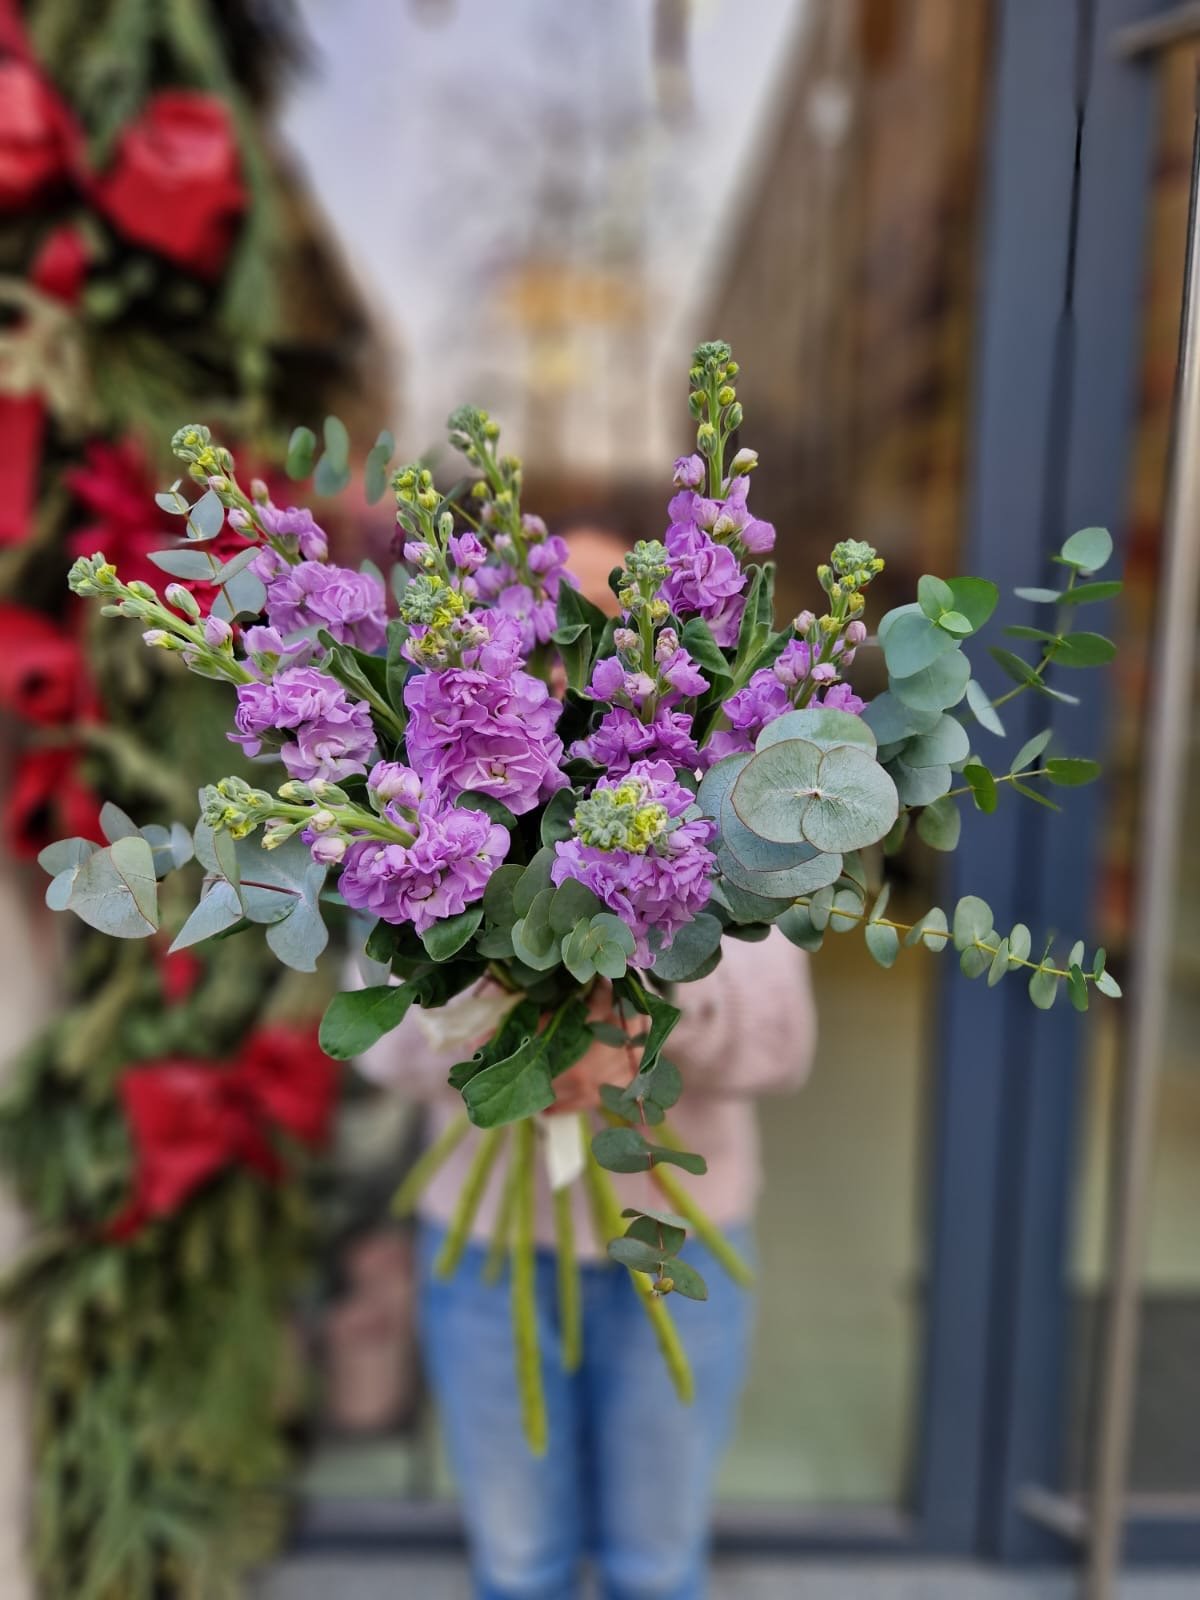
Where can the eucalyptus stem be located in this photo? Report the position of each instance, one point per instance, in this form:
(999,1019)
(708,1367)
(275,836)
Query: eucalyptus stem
(1047,657)
(1008,777)
(701,1224)
(404,1202)
(497,1254)
(976,944)
(570,1318)
(523,1295)
(465,1211)
(606,1220)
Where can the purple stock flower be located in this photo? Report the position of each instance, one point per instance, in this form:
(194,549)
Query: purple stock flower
(389,780)
(469,729)
(841,697)
(467,551)
(349,605)
(656,890)
(689,472)
(444,869)
(705,580)
(608,678)
(332,735)
(678,669)
(621,739)
(295,529)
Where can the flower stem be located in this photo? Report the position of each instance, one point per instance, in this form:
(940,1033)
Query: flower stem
(569,1307)
(465,1212)
(523,1296)
(430,1162)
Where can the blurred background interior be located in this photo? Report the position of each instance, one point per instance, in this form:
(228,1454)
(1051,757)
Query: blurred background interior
(957,341)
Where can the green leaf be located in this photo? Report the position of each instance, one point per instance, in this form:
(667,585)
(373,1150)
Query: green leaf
(357,1018)
(556,819)
(982,784)
(883,942)
(919,786)
(820,726)
(939,686)
(473,800)
(1108,985)
(975,598)
(447,937)
(940,824)
(846,912)
(934,596)
(301,450)
(516,1087)
(219,910)
(115,892)
(621,1150)
(665,1239)
(891,721)
(692,947)
(985,712)
(685,1280)
(337,443)
(1087,550)
(1077,989)
(1040,597)
(1032,794)
(974,961)
(946,744)
(972,922)
(775,788)
(955,623)
(696,638)
(498,905)
(1018,670)
(1083,650)
(299,938)
(999,967)
(1029,751)
(1071,771)
(912,643)
(1020,942)
(932,931)
(1088,593)
(668,1219)
(534,879)
(375,470)
(570,903)
(207,517)
(636,1254)
(1043,988)
(796,926)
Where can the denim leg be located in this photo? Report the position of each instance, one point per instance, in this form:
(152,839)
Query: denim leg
(655,1459)
(523,1513)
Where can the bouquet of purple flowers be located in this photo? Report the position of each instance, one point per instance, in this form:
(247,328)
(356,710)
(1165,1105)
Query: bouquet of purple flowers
(506,782)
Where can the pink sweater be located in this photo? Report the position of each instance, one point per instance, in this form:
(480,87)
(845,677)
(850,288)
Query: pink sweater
(747,1029)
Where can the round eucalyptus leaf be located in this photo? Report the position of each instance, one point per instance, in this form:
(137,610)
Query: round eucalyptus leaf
(743,905)
(985,713)
(690,949)
(892,721)
(114,890)
(938,686)
(717,782)
(883,942)
(856,802)
(945,745)
(754,853)
(774,789)
(1088,550)
(820,726)
(913,643)
(919,786)
(786,883)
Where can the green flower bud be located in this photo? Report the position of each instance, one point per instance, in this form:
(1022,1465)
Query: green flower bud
(182,599)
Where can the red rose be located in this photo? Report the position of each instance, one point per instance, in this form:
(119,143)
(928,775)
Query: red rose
(175,185)
(46,801)
(43,677)
(38,142)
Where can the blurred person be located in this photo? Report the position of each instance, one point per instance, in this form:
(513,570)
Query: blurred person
(628,1475)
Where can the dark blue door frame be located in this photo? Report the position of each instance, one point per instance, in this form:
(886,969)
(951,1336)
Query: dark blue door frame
(1069,156)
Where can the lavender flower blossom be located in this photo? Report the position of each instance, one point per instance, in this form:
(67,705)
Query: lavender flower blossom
(444,869)
(332,735)
(351,606)
(469,729)
(621,739)
(653,869)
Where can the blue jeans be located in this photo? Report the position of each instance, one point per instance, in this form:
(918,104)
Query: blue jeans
(628,1474)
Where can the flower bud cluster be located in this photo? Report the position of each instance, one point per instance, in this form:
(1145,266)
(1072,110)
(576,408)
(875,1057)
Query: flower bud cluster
(621,818)
(205,461)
